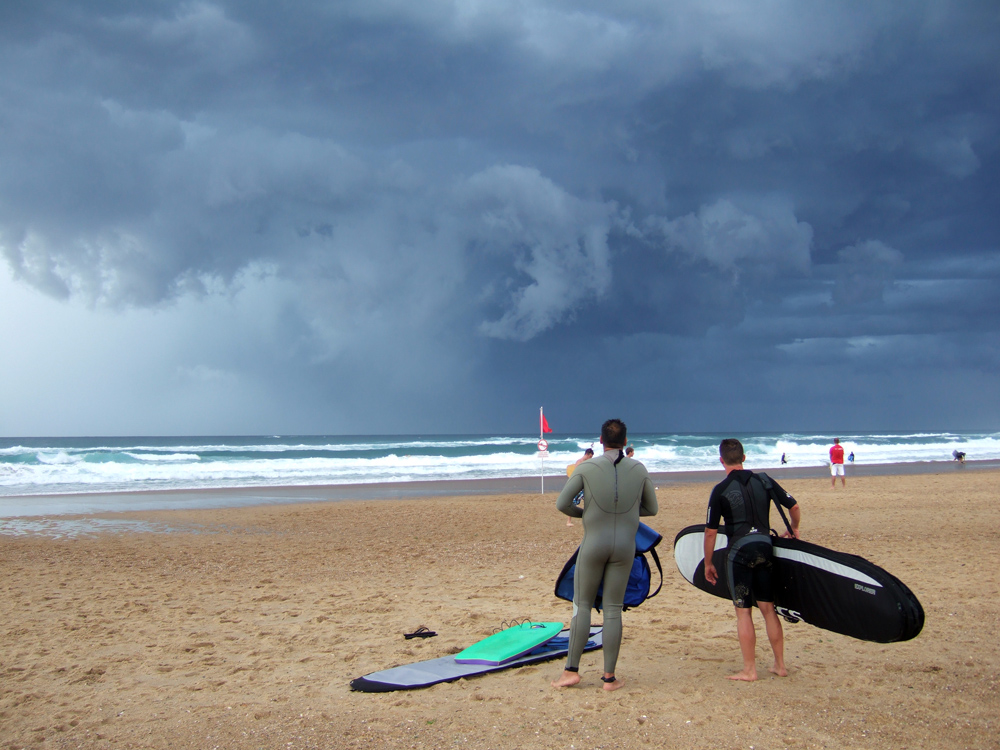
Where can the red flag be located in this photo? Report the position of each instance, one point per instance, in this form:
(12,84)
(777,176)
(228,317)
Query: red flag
(545,424)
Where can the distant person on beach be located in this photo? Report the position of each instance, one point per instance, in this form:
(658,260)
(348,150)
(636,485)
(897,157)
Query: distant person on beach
(587,455)
(850,458)
(837,464)
(959,456)
(783,459)
(630,452)
(744,500)
(618,491)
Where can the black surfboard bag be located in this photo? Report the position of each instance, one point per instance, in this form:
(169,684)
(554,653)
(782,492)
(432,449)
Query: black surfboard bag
(832,590)
(639,580)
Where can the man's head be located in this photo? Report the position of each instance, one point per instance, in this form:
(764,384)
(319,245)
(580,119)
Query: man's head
(630,451)
(614,434)
(836,441)
(731,452)
(589,453)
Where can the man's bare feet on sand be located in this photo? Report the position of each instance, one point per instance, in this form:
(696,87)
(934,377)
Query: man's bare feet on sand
(568,679)
(744,676)
(609,686)
(780,671)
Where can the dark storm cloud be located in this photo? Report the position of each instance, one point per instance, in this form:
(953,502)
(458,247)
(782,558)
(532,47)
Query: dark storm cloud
(496,203)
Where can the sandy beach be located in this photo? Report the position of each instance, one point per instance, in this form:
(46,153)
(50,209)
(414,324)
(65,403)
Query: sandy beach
(243,627)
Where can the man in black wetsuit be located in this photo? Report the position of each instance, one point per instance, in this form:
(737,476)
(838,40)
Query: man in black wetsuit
(744,500)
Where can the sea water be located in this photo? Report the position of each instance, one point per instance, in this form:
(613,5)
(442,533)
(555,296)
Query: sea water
(54,466)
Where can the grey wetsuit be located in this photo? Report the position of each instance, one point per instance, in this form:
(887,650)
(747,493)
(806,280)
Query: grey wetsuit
(613,499)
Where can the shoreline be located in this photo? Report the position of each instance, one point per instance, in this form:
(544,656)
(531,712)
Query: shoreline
(85,503)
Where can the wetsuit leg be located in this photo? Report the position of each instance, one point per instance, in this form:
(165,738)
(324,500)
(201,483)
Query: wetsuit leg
(750,574)
(616,574)
(763,583)
(586,581)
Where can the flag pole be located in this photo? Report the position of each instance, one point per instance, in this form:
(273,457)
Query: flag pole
(541,417)
(543,446)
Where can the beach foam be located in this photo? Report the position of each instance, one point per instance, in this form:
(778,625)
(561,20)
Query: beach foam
(75,465)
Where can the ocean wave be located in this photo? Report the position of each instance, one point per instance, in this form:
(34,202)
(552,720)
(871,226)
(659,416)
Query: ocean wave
(88,465)
(164,457)
(59,457)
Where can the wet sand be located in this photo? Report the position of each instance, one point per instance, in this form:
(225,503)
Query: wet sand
(242,627)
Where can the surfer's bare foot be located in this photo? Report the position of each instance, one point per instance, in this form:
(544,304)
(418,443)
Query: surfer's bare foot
(780,671)
(568,679)
(569,523)
(744,676)
(618,682)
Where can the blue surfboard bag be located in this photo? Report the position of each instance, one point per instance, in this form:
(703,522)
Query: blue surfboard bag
(639,581)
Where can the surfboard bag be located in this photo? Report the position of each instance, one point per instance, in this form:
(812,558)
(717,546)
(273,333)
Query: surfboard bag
(446,669)
(832,590)
(639,580)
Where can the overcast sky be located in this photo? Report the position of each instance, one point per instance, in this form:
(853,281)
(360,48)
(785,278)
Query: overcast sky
(386,216)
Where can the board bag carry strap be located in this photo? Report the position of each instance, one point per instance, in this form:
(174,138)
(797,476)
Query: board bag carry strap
(769,486)
(659,568)
(646,539)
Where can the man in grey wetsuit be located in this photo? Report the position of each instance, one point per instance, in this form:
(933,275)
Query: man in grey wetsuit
(616,491)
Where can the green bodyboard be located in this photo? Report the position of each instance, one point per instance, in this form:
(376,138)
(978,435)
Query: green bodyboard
(510,643)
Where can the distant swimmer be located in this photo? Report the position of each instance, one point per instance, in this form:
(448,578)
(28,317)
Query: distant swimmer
(959,456)
(837,463)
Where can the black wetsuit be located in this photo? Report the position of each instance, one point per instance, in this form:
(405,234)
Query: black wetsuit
(614,498)
(742,498)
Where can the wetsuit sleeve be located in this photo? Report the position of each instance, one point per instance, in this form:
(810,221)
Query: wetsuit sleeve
(564,504)
(714,511)
(649,506)
(781,496)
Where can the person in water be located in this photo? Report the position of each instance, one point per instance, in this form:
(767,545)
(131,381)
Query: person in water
(617,490)
(744,500)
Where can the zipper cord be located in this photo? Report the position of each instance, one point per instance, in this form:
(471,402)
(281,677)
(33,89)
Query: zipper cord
(621,455)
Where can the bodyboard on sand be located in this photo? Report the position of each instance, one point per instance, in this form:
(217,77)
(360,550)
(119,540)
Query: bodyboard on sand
(832,590)
(446,669)
(509,643)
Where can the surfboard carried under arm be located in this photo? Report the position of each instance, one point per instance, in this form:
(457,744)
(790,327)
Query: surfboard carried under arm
(832,590)
(447,669)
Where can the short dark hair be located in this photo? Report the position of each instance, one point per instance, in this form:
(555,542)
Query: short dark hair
(589,450)
(614,434)
(731,451)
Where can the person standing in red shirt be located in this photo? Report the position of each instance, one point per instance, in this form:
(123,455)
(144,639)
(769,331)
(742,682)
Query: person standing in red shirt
(837,463)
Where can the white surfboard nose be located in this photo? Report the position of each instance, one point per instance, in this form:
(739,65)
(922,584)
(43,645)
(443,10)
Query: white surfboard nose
(689,551)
